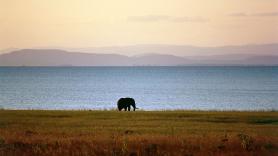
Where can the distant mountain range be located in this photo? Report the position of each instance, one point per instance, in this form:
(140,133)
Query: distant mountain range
(181,50)
(154,55)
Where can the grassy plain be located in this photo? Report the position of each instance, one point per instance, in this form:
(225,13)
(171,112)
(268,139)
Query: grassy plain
(41,132)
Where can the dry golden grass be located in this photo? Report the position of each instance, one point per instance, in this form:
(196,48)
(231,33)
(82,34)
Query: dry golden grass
(138,133)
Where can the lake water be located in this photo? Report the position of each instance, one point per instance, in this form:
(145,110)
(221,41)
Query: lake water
(153,88)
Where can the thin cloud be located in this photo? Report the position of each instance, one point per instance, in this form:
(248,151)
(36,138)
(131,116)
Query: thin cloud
(164,18)
(266,14)
(189,19)
(243,14)
(148,18)
(238,14)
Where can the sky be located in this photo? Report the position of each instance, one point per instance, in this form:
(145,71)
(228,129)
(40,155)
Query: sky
(96,23)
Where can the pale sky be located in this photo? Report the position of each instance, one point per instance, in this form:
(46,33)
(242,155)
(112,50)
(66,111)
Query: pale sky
(91,23)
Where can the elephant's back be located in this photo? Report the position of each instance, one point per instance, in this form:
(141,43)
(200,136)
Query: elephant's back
(130,100)
(126,100)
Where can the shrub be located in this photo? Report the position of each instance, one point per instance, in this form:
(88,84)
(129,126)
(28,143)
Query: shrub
(246,141)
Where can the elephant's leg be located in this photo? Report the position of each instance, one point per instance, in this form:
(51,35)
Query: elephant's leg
(125,108)
(128,108)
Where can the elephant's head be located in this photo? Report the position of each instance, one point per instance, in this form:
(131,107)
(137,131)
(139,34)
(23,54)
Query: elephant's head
(134,106)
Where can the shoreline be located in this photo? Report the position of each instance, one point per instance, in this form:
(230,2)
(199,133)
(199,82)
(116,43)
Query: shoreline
(143,110)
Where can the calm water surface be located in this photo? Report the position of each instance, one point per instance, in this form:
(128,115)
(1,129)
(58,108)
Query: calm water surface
(154,88)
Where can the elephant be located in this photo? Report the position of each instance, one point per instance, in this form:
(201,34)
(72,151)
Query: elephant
(125,103)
